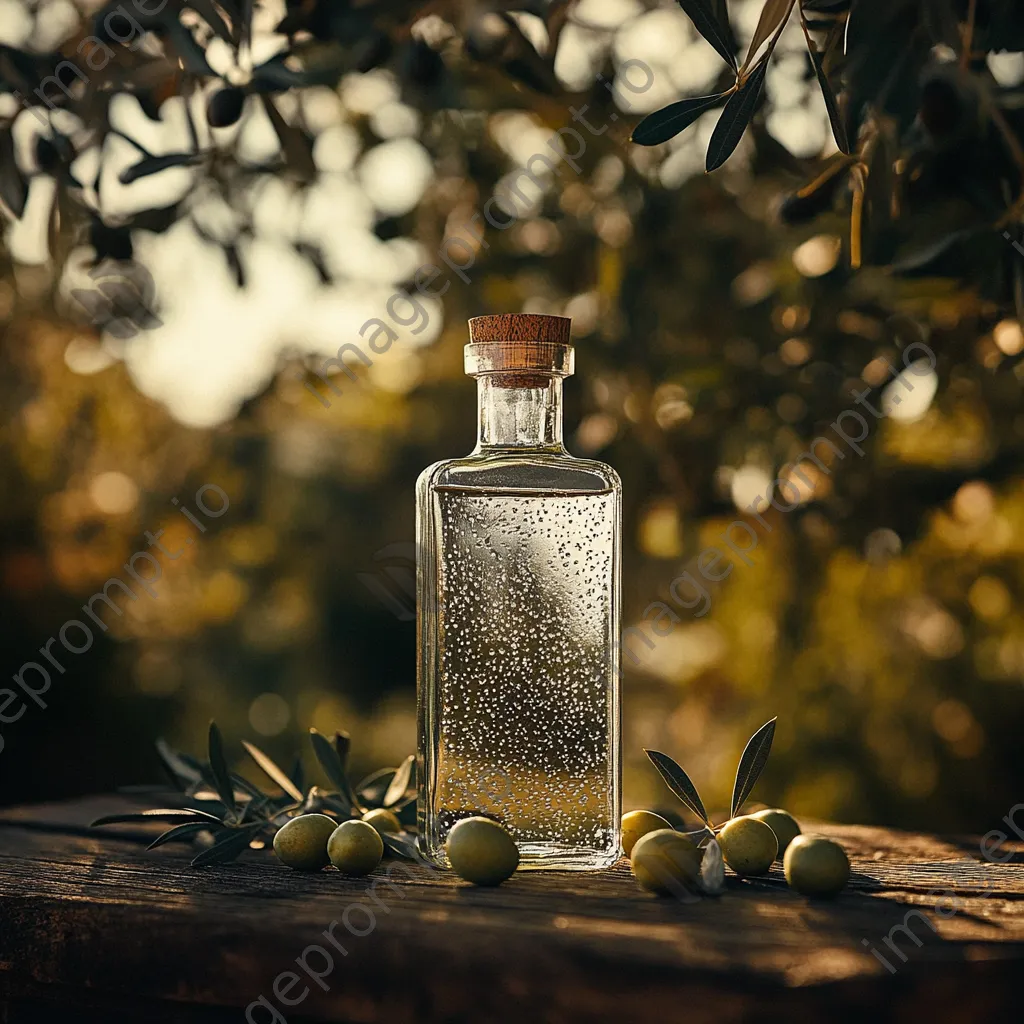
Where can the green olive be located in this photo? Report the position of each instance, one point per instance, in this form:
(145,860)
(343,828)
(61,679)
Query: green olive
(816,866)
(664,859)
(783,824)
(383,820)
(748,845)
(355,847)
(481,851)
(302,842)
(637,824)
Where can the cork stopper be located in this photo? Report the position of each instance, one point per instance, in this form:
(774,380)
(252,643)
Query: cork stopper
(520,350)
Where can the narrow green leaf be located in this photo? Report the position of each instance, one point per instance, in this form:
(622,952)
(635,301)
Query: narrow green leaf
(400,783)
(375,785)
(209,13)
(773,15)
(342,745)
(178,814)
(934,260)
(752,762)
(295,145)
(272,771)
(228,846)
(212,806)
(679,782)
(155,164)
(187,830)
(298,774)
(835,118)
(243,784)
(13,185)
(402,844)
(328,758)
(707,24)
(221,777)
(668,122)
(331,761)
(176,764)
(736,116)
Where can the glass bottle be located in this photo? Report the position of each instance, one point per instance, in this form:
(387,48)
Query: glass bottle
(518,616)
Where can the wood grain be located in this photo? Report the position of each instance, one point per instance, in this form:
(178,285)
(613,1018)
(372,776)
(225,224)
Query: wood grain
(98,925)
(520,328)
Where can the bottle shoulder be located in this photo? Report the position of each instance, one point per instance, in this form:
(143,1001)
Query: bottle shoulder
(529,469)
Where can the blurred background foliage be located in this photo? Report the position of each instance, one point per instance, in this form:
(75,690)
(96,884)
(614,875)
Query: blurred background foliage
(277,170)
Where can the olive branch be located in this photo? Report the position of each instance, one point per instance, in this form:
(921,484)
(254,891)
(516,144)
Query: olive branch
(227,814)
(751,764)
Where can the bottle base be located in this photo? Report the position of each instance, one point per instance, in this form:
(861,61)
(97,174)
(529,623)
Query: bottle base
(549,857)
(553,857)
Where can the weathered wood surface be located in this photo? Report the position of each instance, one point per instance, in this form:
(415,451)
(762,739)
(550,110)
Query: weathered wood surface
(93,928)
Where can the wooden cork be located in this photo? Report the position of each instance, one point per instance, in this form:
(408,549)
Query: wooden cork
(513,347)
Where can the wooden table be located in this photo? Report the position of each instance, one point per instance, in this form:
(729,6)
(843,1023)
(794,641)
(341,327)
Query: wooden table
(95,929)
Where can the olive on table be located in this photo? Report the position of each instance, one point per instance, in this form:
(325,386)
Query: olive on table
(301,843)
(481,851)
(636,824)
(748,845)
(782,823)
(383,820)
(664,859)
(355,847)
(816,866)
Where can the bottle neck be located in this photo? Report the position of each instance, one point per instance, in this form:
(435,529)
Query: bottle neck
(519,417)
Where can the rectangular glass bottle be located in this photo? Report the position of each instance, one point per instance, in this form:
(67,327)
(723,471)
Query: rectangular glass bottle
(518,616)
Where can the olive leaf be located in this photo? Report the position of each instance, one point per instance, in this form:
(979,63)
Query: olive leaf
(209,13)
(242,783)
(228,846)
(774,14)
(400,783)
(178,814)
(179,766)
(402,844)
(668,122)
(835,118)
(736,116)
(328,758)
(155,164)
(13,185)
(941,258)
(679,782)
(712,869)
(333,764)
(752,762)
(375,785)
(220,776)
(273,772)
(296,147)
(187,830)
(707,24)
(342,745)
(298,774)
